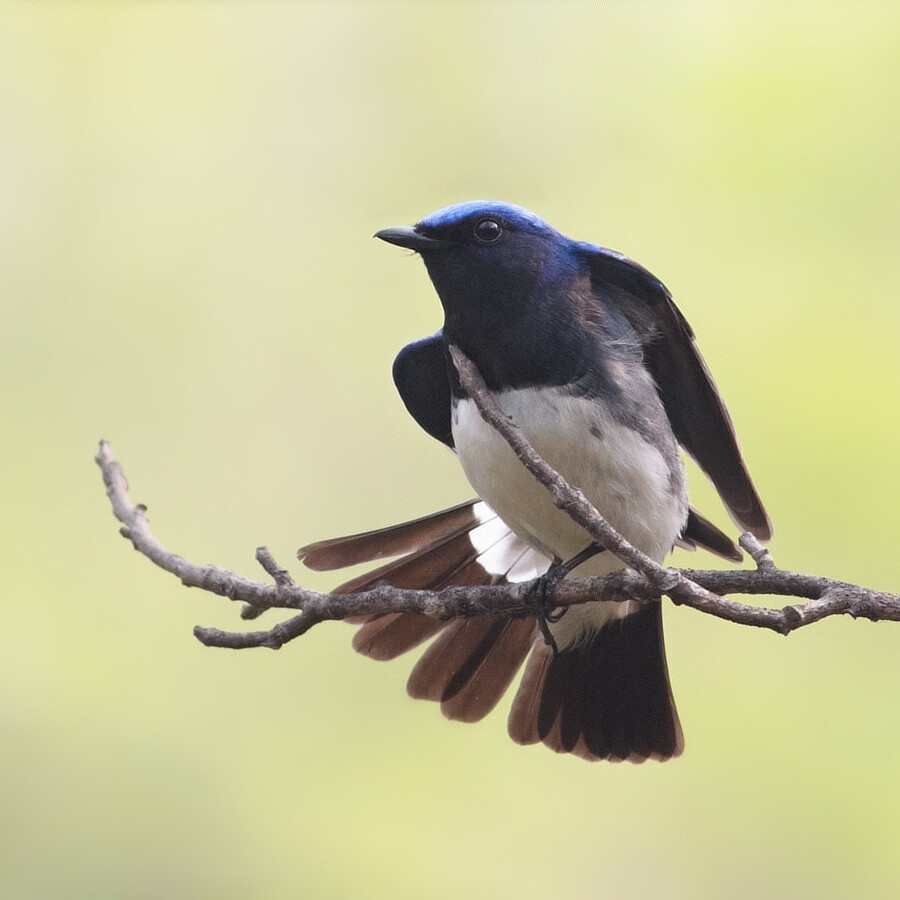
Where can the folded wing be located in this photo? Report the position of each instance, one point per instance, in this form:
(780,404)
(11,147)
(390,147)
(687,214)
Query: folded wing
(690,397)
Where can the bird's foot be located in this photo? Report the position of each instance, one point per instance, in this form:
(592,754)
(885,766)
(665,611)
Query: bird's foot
(540,594)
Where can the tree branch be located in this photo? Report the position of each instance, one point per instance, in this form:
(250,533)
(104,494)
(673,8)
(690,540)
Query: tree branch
(646,580)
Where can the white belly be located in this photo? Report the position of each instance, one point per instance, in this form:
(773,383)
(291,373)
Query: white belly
(626,479)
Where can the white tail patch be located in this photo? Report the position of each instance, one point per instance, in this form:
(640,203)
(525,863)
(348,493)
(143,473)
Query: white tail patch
(500,551)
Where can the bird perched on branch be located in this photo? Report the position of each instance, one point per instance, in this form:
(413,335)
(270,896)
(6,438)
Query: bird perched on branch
(586,352)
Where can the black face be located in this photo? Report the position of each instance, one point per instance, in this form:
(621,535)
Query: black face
(473,230)
(484,259)
(486,265)
(502,276)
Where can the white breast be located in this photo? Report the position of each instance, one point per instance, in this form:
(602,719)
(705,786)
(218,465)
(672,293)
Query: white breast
(626,478)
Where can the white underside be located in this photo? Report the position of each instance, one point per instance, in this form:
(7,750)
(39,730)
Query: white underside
(624,477)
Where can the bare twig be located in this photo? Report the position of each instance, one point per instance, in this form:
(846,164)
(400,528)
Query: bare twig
(757,550)
(825,596)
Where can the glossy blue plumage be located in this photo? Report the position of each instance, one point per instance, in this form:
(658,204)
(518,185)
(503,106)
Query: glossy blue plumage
(518,216)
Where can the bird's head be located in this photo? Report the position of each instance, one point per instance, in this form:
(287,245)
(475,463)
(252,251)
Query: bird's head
(485,258)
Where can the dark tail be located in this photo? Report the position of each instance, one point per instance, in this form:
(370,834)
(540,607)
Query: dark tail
(605,698)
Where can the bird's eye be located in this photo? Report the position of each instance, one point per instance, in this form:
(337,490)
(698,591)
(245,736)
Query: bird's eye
(488,230)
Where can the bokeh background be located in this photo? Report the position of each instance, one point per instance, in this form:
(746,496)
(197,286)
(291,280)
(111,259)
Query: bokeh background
(188,196)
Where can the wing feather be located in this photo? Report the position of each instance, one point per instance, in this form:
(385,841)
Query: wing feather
(692,402)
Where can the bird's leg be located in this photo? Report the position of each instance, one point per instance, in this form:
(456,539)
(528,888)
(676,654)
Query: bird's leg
(541,592)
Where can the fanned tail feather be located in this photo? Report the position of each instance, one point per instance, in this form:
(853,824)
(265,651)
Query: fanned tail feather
(395,540)
(471,664)
(605,698)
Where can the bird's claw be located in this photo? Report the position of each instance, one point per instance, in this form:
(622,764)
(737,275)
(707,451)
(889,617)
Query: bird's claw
(540,593)
(540,599)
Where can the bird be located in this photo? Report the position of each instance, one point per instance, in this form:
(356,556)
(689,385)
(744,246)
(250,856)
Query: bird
(585,350)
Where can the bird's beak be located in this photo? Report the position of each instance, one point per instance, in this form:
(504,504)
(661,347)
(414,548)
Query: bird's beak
(407,236)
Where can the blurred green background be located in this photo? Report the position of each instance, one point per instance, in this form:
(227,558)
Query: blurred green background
(188,196)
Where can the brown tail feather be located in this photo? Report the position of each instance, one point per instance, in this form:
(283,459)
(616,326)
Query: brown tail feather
(462,637)
(387,637)
(484,681)
(395,540)
(608,698)
(427,568)
(469,666)
(452,560)
(523,717)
